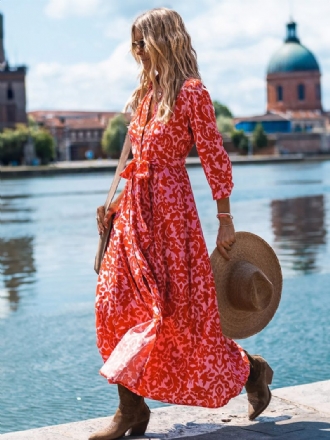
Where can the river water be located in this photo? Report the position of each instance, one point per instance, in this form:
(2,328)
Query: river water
(48,359)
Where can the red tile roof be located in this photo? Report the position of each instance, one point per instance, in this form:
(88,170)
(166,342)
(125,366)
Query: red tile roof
(284,116)
(265,117)
(74,120)
(305,114)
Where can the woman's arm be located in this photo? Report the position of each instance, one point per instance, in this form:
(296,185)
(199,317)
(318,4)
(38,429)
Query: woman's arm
(103,218)
(209,143)
(214,158)
(226,233)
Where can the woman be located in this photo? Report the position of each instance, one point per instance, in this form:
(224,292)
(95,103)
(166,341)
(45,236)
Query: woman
(158,327)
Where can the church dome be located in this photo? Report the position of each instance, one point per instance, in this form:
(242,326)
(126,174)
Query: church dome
(292,56)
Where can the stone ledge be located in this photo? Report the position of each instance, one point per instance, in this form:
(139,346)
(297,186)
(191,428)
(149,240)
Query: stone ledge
(295,413)
(110,165)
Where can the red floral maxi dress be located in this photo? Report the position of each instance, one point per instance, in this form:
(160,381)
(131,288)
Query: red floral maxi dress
(158,326)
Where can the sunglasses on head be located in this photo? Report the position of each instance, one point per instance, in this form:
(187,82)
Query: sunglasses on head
(138,44)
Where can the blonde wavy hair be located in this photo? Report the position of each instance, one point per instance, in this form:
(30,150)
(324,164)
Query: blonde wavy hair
(168,45)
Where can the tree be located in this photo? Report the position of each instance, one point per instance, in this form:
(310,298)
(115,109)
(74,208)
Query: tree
(12,143)
(44,145)
(221,110)
(114,136)
(240,140)
(32,123)
(225,124)
(259,137)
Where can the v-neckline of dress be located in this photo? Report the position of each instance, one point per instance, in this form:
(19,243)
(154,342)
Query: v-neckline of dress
(145,112)
(148,109)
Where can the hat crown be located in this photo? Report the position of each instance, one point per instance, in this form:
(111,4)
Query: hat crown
(248,286)
(249,289)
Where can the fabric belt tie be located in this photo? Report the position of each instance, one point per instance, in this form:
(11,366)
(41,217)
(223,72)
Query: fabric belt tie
(141,171)
(138,168)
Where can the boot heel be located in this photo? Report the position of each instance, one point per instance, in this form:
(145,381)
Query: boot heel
(269,375)
(139,428)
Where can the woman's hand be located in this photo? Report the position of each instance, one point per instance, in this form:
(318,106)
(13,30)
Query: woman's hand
(226,237)
(102,218)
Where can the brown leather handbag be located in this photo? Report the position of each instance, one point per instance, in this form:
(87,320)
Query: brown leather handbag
(104,238)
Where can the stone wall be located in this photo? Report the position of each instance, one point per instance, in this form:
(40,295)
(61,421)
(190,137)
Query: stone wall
(305,143)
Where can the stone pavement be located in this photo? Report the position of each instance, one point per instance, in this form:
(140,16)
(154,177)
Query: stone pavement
(295,413)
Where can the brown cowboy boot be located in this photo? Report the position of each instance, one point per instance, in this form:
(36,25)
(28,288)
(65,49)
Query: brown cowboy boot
(258,392)
(132,415)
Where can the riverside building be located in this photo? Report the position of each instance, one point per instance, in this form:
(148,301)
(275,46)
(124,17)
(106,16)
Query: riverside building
(76,133)
(12,89)
(294,116)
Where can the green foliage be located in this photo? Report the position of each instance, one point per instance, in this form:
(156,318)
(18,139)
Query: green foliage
(259,137)
(221,110)
(114,136)
(32,123)
(240,140)
(225,124)
(12,142)
(44,145)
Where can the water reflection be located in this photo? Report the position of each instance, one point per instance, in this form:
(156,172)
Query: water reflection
(299,228)
(12,212)
(17,267)
(57,255)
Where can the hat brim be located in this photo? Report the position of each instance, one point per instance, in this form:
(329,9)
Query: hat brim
(239,324)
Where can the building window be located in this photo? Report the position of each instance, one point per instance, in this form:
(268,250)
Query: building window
(301,92)
(73,135)
(279,91)
(10,93)
(88,135)
(318,91)
(81,135)
(96,134)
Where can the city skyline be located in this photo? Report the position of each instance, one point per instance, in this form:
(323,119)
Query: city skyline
(77,51)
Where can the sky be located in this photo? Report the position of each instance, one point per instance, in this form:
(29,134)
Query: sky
(77,51)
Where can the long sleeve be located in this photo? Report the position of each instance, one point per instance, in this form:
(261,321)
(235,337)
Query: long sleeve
(213,156)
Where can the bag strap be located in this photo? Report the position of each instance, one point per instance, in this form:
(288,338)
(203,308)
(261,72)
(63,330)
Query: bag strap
(121,165)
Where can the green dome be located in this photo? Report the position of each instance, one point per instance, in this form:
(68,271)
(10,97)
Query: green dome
(292,56)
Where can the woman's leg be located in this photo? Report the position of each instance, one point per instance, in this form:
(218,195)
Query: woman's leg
(132,414)
(258,392)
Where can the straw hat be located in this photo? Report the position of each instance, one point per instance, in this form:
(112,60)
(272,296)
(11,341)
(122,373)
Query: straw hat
(248,286)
